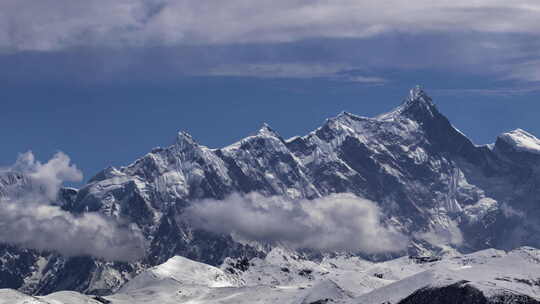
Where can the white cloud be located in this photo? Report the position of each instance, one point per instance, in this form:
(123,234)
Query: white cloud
(28,219)
(56,24)
(48,177)
(49,228)
(443,232)
(336,222)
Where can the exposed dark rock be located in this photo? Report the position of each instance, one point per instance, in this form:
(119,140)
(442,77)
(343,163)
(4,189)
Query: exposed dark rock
(463,293)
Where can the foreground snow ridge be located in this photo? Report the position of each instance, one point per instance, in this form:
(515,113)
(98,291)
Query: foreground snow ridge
(184,271)
(284,277)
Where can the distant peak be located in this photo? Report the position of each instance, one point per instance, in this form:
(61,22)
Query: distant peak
(106,173)
(417,93)
(184,139)
(418,105)
(345,114)
(266,130)
(183,135)
(521,140)
(346,117)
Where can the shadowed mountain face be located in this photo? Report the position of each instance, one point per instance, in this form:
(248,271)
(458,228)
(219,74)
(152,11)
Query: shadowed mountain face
(463,293)
(430,182)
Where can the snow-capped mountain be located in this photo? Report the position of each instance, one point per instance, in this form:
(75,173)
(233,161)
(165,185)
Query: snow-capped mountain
(488,276)
(429,180)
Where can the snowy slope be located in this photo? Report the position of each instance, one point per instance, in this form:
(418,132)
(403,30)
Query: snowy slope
(490,271)
(183,271)
(493,272)
(338,279)
(521,140)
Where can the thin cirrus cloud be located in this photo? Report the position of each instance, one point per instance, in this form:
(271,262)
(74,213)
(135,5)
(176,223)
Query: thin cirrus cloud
(293,70)
(29,219)
(277,39)
(50,25)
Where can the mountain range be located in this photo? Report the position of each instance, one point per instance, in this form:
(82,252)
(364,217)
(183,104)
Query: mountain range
(428,182)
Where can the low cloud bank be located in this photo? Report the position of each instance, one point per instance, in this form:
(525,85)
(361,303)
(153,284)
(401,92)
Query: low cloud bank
(333,223)
(27,218)
(49,228)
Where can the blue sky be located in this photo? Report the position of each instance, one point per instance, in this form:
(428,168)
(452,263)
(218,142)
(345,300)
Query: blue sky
(106,81)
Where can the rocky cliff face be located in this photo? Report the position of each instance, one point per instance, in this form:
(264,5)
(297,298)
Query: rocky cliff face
(430,181)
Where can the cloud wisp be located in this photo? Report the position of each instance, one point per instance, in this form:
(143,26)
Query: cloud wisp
(28,220)
(339,222)
(445,232)
(296,70)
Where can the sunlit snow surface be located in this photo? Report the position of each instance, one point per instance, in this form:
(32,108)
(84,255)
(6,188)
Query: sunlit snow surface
(522,141)
(285,277)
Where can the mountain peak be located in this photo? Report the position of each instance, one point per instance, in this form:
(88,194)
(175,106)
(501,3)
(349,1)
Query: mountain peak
(345,115)
(267,131)
(418,105)
(521,141)
(417,93)
(184,140)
